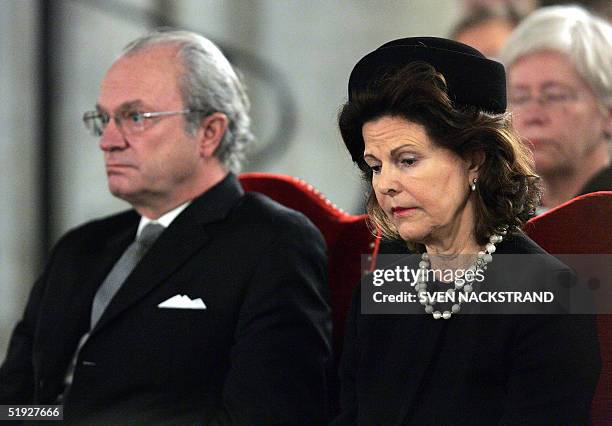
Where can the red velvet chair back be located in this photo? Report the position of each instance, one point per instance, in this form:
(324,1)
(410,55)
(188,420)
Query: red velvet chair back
(583,225)
(347,237)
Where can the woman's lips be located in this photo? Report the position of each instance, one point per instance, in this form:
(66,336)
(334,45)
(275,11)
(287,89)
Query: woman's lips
(402,211)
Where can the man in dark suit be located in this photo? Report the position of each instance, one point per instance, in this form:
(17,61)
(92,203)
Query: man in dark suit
(203,304)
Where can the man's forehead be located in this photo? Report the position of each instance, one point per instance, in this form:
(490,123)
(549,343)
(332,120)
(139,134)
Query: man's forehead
(148,75)
(154,60)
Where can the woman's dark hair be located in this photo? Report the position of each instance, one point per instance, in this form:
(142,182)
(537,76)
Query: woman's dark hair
(508,189)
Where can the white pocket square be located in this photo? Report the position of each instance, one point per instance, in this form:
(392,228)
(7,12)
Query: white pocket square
(182,302)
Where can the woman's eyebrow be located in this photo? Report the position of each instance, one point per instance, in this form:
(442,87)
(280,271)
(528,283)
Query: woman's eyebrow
(394,151)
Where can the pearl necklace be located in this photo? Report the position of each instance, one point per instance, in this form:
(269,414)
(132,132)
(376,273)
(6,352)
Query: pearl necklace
(480,264)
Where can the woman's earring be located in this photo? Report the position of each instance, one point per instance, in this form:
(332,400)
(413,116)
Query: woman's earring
(473,184)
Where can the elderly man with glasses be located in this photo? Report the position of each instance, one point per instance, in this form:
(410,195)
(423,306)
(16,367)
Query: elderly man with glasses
(202,304)
(559,62)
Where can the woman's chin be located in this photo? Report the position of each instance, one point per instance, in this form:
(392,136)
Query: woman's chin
(411,234)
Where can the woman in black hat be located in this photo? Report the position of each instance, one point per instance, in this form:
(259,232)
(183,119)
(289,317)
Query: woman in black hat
(426,124)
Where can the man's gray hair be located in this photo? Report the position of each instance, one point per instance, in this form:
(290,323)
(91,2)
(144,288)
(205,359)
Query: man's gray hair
(209,84)
(583,37)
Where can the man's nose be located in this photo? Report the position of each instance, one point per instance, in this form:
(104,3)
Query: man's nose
(112,137)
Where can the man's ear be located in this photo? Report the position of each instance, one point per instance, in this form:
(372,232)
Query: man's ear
(211,131)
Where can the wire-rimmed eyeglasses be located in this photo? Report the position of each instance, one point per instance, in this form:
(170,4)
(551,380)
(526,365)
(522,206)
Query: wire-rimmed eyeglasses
(129,121)
(552,99)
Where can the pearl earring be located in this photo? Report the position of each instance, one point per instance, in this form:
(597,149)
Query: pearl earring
(473,184)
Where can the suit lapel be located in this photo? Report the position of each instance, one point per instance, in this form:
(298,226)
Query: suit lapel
(417,352)
(416,336)
(185,236)
(66,326)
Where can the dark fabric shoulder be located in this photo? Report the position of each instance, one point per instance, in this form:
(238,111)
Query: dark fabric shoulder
(262,211)
(97,231)
(519,243)
(121,220)
(602,181)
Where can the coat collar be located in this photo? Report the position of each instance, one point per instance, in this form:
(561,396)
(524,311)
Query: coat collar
(214,204)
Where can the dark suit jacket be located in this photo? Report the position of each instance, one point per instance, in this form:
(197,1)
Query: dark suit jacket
(602,181)
(256,355)
(471,369)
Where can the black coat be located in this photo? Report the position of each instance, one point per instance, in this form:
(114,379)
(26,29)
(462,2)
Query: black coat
(256,355)
(602,181)
(471,369)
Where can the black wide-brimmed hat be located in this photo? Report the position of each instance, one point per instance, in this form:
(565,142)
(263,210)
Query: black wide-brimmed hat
(471,78)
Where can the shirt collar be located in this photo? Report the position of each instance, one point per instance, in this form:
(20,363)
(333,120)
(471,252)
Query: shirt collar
(164,220)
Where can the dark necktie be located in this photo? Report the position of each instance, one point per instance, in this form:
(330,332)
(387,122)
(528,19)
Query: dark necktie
(122,269)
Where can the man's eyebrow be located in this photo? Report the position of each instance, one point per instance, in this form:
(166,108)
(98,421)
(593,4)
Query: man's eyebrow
(124,106)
